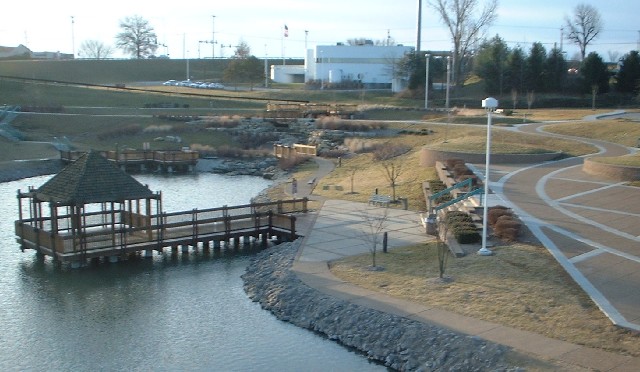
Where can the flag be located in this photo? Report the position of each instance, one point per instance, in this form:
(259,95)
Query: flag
(286,31)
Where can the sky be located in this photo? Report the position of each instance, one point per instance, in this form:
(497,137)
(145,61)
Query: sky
(186,28)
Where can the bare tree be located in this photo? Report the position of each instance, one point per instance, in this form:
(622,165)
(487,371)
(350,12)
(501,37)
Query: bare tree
(243,67)
(392,172)
(95,49)
(584,26)
(375,221)
(243,50)
(465,30)
(352,174)
(137,37)
(387,155)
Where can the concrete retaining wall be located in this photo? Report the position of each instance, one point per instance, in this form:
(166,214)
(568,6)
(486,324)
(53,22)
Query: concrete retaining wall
(611,171)
(428,157)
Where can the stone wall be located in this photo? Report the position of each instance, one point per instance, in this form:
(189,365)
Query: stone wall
(397,342)
(611,171)
(428,157)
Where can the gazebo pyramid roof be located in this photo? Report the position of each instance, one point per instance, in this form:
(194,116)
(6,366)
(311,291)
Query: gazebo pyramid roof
(92,179)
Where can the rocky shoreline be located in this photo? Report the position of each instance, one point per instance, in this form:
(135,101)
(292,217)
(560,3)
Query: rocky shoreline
(396,342)
(259,167)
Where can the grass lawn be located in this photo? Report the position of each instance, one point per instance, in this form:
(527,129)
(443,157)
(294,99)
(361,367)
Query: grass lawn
(622,131)
(627,160)
(26,150)
(521,286)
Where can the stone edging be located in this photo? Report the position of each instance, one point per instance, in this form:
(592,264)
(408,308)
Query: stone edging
(397,342)
(611,171)
(428,157)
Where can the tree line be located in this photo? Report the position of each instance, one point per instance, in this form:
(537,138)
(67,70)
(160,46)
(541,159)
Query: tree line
(505,70)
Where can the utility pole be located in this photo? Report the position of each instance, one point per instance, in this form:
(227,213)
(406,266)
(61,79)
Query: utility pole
(419,31)
(446,101)
(266,67)
(73,39)
(426,84)
(213,37)
(561,37)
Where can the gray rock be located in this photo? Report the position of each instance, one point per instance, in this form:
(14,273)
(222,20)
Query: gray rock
(397,342)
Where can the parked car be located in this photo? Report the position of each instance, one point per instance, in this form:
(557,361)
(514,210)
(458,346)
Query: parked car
(170,82)
(215,86)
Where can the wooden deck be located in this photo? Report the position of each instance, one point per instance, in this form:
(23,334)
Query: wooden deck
(209,228)
(168,161)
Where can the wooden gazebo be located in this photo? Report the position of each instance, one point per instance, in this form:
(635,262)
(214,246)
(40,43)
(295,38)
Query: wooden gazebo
(89,209)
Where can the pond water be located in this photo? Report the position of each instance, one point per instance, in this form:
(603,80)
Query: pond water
(187,312)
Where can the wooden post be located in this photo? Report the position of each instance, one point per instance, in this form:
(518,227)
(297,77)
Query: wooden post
(384,242)
(293,228)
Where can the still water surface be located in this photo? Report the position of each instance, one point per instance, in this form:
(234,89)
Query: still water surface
(187,313)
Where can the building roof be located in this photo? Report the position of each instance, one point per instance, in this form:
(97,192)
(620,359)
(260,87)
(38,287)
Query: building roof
(92,179)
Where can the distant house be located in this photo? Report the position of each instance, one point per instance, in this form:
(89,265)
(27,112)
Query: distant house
(19,52)
(369,65)
(22,52)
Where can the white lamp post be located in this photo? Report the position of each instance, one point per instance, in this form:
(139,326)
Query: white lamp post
(488,104)
(426,84)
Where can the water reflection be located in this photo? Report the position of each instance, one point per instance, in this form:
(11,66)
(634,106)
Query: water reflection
(172,312)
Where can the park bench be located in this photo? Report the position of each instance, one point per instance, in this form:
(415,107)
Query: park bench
(377,199)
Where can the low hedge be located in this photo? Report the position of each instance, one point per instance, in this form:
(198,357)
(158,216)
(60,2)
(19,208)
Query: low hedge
(462,227)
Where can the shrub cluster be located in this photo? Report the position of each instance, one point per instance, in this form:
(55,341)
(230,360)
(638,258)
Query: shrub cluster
(462,227)
(504,224)
(335,123)
(292,161)
(436,186)
(223,122)
(460,171)
(334,153)
(129,130)
(345,84)
(421,132)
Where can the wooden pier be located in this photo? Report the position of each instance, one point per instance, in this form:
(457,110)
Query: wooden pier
(92,209)
(144,160)
(115,233)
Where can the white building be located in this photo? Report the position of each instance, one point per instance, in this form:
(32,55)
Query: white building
(371,65)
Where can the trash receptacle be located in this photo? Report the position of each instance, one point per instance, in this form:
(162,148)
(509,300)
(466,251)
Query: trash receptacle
(432,225)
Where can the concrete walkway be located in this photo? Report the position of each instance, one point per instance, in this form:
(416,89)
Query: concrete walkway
(589,224)
(337,230)
(599,249)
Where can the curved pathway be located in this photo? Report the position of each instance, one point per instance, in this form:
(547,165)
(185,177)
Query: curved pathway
(590,225)
(334,231)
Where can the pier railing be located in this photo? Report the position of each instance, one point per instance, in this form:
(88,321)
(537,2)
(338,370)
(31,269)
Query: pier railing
(111,233)
(139,156)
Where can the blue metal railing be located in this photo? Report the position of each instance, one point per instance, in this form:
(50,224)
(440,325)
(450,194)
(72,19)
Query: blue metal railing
(459,198)
(458,185)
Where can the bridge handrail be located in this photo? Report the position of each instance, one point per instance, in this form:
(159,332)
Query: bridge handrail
(459,198)
(458,185)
